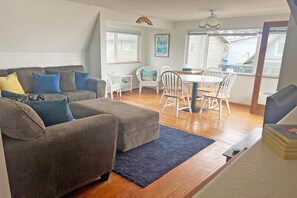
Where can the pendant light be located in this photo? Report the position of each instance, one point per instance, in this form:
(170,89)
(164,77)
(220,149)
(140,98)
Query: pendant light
(211,22)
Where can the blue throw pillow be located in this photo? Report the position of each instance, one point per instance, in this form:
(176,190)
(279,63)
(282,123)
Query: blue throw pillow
(46,83)
(148,75)
(52,112)
(81,80)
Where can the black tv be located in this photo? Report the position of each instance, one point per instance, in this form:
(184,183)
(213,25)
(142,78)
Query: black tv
(280,104)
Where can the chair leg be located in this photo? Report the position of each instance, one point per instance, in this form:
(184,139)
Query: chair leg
(140,88)
(184,100)
(208,103)
(162,96)
(189,105)
(157,89)
(203,104)
(176,106)
(228,106)
(111,94)
(220,108)
(120,93)
(163,106)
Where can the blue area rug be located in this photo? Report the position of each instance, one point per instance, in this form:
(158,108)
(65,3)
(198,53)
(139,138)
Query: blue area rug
(149,162)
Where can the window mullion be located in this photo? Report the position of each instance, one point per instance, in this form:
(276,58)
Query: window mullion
(205,58)
(116,47)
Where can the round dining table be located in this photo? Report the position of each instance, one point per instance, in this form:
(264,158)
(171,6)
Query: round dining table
(195,79)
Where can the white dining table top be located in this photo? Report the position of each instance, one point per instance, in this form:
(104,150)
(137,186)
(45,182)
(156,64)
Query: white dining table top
(201,79)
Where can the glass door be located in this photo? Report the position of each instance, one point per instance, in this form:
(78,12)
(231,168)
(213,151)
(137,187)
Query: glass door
(269,63)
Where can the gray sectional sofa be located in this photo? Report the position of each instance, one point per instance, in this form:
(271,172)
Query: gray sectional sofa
(66,156)
(96,87)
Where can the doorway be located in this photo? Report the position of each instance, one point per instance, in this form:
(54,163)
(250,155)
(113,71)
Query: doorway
(269,63)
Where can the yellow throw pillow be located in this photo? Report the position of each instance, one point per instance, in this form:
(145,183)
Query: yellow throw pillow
(11,83)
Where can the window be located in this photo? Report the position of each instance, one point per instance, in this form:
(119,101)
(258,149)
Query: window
(230,50)
(122,47)
(279,48)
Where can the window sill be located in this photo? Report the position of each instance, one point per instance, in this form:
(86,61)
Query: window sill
(122,63)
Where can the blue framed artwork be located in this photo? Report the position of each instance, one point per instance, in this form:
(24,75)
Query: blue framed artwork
(162,45)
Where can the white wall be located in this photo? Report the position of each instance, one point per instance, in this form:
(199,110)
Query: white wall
(44,32)
(288,74)
(178,45)
(120,20)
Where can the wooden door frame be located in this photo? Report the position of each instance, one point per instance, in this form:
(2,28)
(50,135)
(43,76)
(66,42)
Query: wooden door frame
(255,107)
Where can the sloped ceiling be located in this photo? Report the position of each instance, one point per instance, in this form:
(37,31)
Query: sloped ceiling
(180,10)
(45,25)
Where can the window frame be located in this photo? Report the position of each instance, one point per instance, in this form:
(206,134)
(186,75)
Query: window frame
(258,33)
(128,32)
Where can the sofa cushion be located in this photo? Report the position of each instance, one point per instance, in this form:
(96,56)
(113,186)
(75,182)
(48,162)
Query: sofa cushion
(52,112)
(74,68)
(74,96)
(11,83)
(3,72)
(67,80)
(46,83)
(81,80)
(19,121)
(25,76)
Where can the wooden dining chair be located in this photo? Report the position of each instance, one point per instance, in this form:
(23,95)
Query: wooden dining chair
(223,94)
(164,69)
(211,87)
(174,91)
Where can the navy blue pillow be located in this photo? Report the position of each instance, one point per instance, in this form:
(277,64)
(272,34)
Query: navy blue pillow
(8,94)
(46,83)
(81,80)
(52,112)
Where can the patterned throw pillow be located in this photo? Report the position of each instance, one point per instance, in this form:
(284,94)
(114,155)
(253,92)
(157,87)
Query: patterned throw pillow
(22,97)
(148,75)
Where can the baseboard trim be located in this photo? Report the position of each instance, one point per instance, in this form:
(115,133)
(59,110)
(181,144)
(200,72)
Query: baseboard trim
(240,104)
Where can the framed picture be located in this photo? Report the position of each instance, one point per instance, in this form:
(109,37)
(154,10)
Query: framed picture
(162,45)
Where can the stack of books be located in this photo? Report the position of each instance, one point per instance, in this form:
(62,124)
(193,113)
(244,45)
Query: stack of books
(282,139)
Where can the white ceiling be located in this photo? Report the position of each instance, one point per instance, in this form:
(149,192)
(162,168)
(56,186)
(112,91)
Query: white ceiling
(180,10)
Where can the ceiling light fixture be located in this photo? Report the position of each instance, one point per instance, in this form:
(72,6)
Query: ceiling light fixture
(211,22)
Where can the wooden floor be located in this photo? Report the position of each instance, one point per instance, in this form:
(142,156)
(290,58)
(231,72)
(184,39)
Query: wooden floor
(188,175)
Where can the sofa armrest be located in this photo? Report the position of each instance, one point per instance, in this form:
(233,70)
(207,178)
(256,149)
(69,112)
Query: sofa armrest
(98,86)
(68,156)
